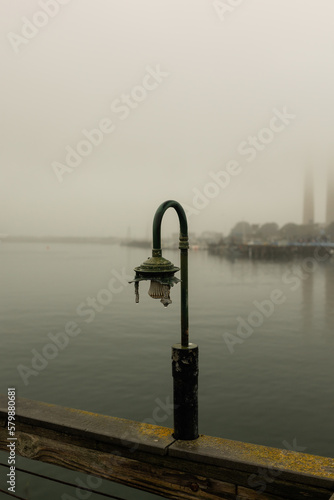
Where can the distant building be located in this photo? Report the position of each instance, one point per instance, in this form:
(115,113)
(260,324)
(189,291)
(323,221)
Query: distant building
(308,211)
(330,196)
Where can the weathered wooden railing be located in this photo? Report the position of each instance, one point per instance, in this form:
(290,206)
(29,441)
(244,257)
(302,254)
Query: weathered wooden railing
(146,457)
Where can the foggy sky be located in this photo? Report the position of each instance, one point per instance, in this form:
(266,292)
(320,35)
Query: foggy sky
(206,79)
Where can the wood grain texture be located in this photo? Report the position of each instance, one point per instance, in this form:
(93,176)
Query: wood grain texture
(147,457)
(157,479)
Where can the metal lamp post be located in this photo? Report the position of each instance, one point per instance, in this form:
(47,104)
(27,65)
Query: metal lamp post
(184,355)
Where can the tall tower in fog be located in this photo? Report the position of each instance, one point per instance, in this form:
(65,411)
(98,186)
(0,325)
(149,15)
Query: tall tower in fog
(308,212)
(330,195)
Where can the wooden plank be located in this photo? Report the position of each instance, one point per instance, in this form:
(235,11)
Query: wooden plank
(284,490)
(103,428)
(291,465)
(147,457)
(248,494)
(228,476)
(164,481)
(297,491)
(150,472)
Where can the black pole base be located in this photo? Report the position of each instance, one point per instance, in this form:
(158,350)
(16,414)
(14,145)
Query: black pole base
(185,376)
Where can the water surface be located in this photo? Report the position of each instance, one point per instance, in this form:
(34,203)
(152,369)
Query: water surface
(273,386)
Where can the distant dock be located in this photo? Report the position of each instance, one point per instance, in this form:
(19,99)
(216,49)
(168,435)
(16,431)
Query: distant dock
(273,251)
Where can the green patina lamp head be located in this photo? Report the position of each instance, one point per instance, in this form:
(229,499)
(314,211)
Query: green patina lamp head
(160,272)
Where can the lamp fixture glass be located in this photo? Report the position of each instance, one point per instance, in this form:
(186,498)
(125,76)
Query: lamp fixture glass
(159,291)
(160,272)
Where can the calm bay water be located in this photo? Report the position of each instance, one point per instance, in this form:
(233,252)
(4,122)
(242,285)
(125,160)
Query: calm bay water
(274,387)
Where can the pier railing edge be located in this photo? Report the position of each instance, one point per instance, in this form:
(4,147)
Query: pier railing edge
(147,457)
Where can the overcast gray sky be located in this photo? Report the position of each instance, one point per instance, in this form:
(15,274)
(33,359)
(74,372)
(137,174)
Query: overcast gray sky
(217,104)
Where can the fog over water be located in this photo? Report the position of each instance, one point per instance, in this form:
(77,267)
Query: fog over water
(111,107)
(180,92)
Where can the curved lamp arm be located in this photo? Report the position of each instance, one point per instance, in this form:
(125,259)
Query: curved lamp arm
(158,219)
(183,246)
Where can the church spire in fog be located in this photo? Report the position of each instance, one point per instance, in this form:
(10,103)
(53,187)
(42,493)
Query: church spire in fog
(308,212)
(330,196)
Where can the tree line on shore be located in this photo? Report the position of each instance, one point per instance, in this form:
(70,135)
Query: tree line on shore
(271,231)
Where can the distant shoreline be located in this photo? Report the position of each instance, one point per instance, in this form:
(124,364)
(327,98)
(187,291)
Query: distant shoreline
(110,240)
